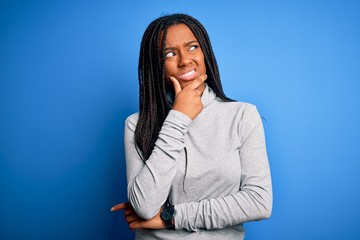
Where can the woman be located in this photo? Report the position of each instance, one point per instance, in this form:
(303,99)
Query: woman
(196,160)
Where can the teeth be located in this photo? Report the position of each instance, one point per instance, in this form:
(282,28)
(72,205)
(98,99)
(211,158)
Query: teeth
(188,73)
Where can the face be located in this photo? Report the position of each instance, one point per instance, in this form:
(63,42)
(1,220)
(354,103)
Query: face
(184,58)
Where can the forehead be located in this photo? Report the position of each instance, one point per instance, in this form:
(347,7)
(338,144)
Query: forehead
(179,34)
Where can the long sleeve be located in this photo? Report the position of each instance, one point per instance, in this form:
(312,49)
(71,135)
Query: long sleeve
(252,202)
(149,182)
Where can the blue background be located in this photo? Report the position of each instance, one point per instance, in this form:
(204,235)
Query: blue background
(68,73)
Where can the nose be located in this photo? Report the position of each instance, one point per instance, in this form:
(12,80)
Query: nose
(184,59)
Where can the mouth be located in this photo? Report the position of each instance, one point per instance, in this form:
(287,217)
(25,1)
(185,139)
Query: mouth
(188,75)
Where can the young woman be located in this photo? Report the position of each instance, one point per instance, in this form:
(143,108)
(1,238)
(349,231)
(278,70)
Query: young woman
(196,160)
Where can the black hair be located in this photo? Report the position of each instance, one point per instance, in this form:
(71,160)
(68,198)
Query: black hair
(154,105)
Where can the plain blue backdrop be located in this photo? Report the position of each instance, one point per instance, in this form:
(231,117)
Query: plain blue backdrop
(68,72)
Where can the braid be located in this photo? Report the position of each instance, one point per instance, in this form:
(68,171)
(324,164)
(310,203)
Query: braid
(153,108)
(153,103)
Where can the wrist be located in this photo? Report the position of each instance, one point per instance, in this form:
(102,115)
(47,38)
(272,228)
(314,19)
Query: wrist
(167,215)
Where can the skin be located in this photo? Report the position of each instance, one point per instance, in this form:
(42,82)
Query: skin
(185,69)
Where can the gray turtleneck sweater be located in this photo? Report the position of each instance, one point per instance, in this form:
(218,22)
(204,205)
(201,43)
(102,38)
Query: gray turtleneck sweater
(224,182)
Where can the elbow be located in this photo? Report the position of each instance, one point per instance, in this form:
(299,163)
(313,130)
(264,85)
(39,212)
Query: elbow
(266,213)
(262,204)
(266,206)
(145,214)
(142,207)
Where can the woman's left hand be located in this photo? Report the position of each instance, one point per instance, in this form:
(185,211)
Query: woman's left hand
(134,221)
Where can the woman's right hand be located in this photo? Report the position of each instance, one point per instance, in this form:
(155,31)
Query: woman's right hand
(134,221)
(188,99)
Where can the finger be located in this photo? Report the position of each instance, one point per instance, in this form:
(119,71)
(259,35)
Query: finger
(120,206)
(176,84)
(197,82)
(132,218)
(135,225)
(129,211)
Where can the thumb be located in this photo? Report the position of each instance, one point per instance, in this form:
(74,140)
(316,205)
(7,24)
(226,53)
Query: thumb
(176,84)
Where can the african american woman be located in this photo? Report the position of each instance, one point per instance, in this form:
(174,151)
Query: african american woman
(196,161)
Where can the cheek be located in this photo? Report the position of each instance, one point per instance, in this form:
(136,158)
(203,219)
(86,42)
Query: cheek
(169,69)
(167,73)
(202,64)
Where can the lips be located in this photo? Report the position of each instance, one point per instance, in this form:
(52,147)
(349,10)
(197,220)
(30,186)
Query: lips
(188,75)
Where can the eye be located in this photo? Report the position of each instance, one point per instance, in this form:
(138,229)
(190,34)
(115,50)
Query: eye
(169,54)
(193,48)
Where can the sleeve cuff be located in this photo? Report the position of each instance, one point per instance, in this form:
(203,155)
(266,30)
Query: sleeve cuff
(176,116)
(177,217)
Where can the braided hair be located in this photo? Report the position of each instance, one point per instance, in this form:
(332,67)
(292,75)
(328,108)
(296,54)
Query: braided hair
(154,105)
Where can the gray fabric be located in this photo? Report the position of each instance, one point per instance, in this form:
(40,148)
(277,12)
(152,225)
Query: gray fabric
(225,182)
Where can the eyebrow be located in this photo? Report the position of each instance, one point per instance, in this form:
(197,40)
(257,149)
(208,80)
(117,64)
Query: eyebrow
(186,44)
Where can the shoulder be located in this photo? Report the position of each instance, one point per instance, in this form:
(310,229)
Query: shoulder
(247,111)
(131,121)
(244,115)
(248,119)
(240,108)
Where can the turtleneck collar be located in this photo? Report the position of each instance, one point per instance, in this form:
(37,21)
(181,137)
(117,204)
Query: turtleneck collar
(208,96)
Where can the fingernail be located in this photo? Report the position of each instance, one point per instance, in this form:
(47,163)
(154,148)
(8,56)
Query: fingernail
(112,209)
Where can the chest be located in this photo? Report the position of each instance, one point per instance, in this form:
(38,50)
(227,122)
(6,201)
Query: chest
(210,165)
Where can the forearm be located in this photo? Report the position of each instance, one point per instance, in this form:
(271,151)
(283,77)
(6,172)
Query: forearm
(253,203)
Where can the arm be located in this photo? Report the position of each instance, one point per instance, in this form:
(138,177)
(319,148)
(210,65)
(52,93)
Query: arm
(254,199)
(149,182)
